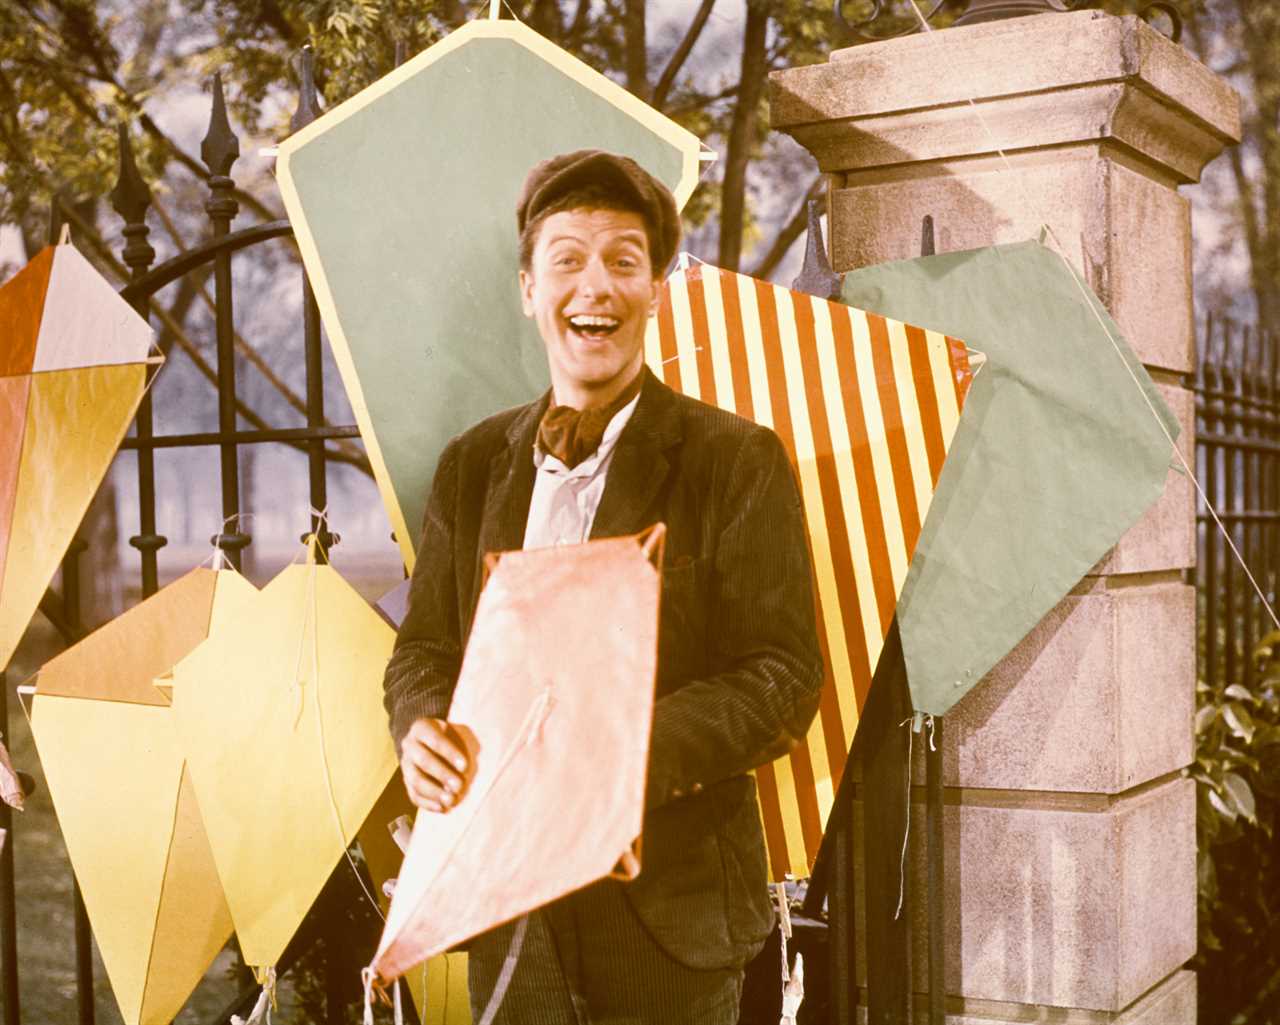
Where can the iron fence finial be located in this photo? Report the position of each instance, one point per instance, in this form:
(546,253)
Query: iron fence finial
(220,147)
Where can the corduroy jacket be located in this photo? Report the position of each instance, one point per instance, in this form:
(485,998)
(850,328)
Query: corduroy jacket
(739,666)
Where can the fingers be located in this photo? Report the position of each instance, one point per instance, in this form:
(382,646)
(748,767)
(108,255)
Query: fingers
(438,736)
(433,764)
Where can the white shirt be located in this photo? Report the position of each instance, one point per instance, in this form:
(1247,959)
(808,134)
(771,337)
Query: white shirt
(565,500)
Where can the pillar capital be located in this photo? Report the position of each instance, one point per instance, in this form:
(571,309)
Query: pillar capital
(1086,79)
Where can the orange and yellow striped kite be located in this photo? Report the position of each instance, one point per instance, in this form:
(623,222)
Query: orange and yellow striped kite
(867,408)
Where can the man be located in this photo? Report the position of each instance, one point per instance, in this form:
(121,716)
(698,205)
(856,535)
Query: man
(609,451)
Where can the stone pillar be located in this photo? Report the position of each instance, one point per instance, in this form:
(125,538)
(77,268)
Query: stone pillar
(1071,852)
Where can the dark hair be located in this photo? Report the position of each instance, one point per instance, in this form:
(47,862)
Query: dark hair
(595,196)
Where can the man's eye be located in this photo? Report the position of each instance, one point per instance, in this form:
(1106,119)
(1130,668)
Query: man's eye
(565,261)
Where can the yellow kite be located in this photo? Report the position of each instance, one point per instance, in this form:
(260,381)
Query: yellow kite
(280,715)
(73,359)
(122,791)
(866,407)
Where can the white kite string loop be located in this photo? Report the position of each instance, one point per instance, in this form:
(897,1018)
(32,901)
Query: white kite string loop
(909,722)
(1061,252)
(366,979)
(218,558)
(261,1012)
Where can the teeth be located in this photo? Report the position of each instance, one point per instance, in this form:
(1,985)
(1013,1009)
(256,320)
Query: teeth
(593,321)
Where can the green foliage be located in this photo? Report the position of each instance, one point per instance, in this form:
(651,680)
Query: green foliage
(72,70)
(1237,774)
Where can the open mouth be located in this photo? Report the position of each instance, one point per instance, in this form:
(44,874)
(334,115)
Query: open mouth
(594,327)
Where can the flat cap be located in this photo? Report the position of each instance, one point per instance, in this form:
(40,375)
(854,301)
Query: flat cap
(551,179)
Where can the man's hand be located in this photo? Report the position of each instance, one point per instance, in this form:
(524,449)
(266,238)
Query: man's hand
(434,764)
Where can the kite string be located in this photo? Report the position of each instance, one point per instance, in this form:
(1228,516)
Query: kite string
(313,613)
(1060,249)
(537,714)
(909,721)
(528,731)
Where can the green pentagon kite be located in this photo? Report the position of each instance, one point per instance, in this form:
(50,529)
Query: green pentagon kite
(1063,443)
(403,203)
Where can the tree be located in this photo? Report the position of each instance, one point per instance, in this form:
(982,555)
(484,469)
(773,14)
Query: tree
(72,69)
(1241,40)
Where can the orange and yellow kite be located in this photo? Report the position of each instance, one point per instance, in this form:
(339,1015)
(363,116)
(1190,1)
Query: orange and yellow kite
(73,365)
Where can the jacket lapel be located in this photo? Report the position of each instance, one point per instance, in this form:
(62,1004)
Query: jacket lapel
(640,465)
(510,490)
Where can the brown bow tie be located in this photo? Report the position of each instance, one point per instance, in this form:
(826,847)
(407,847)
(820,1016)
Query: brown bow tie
(572,435)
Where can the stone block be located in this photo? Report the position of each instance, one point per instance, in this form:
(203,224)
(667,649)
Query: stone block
(1062,78)
(1099,698)
(1058,901)
(1171,1002)
(1128,235)
(1165,537)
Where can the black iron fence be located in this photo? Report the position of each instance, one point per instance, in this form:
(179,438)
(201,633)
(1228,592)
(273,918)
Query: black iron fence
(132,199)
(1238,464)
(1238,712)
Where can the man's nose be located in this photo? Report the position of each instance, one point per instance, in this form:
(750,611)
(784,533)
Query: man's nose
(596,280)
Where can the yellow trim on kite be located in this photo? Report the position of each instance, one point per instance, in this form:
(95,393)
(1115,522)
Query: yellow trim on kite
(342,355)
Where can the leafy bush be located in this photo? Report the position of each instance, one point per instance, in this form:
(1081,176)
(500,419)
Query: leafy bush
(1237,771)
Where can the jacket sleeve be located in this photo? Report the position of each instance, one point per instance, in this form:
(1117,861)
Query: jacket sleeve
(763,646)
(425,662)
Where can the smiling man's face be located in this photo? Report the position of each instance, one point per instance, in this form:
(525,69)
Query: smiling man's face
(591,290)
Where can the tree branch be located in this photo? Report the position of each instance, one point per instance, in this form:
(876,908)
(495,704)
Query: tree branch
(579,23)
(742,133)
(681,53)
(637,53)
(689,106)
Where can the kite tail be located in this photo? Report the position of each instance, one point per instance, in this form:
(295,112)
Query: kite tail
(261,1013)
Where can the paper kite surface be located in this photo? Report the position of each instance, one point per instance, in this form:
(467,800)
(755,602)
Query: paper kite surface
(866,408)
(72,372)
(403,202)
(1064,442)
(543,814)
(280,714)
(121,788)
